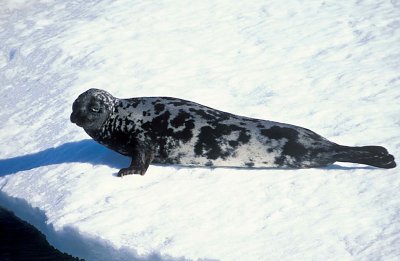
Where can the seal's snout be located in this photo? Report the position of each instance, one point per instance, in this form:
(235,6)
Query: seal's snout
(76,115)
(72,118)
(77,119)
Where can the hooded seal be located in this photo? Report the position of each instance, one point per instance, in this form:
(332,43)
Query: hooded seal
(174,131)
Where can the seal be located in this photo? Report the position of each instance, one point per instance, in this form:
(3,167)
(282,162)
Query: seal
(169,130)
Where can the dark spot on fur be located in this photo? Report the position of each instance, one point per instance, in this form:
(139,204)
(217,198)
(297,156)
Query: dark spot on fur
(243,136)
(220,115)
(176,102)
(117,138)
(292,148)
(249,164)
(208,143)
(203,114)
(159,107)
(134,102)
(180,119)
(212,137)
(183,119)
(252,120)
(233,143)
(159,100)
(209,164)
(158,126)
(158,131)
(166,138)
(186,134)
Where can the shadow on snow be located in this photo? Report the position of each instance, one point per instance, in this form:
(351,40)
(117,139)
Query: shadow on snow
(84,151)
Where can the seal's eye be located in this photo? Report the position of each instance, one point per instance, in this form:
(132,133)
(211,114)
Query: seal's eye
(95,109)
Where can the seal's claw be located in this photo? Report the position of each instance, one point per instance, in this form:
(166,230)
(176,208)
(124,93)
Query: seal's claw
(130,171)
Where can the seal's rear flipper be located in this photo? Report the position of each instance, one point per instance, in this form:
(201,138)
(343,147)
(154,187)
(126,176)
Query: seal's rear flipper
(376,156)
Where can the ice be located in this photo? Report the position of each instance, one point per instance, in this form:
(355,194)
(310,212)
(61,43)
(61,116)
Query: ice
(330,66)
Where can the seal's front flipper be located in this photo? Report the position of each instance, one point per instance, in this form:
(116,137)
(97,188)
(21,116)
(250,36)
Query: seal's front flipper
(139,165)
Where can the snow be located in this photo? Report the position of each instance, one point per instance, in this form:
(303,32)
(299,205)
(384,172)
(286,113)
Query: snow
(330,66)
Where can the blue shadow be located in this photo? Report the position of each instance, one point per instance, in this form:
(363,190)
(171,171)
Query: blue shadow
(85,151)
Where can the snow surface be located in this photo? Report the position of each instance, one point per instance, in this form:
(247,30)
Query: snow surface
(330,66)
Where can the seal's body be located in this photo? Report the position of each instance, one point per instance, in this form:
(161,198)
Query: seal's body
(175,131)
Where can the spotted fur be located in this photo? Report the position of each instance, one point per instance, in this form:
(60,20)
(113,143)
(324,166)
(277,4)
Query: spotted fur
(175,131)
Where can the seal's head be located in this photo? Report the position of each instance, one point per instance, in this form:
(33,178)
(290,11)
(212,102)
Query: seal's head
(92,108)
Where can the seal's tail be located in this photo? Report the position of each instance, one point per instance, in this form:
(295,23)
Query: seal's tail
(376,156)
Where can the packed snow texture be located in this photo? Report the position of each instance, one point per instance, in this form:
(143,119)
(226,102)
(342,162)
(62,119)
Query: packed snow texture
(330,66)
